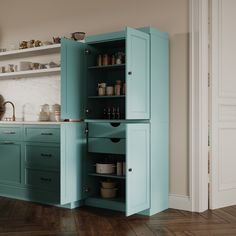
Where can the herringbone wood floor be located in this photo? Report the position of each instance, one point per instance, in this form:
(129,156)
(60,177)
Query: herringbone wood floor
(19,218)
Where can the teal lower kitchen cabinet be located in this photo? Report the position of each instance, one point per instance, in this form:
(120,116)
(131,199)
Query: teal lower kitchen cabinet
(11,163)
(42,163)
(116,143)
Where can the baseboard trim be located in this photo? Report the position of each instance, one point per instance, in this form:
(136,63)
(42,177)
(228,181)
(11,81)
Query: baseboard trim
(180,202)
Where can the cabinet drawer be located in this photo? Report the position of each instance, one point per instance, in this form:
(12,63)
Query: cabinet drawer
(106,145)
(11,133)
(44,156)
(106,130)
(46,180)
(40,134)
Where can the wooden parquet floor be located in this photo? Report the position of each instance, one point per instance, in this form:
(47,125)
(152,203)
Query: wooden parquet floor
(18,218)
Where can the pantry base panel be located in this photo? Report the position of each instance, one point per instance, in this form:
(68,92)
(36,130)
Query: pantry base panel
(117,204)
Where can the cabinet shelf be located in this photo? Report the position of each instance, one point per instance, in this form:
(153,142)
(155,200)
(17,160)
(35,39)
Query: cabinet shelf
(30,73)
(117,203)
(30,51)
(107,176)
(116,66)
(106,97)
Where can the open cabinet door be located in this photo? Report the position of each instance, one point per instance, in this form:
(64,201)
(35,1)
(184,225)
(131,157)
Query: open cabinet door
(137,168)
(137,74)
(72,79)
(223,185)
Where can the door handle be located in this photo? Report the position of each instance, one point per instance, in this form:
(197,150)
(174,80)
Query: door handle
(8,142)
(46,155)
(46,133)
(9,132)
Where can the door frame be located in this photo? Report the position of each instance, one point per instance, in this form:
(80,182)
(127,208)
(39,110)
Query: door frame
(198,105)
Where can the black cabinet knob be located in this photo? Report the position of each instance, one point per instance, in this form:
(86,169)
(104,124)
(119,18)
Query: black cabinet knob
(130,73)
(130,169)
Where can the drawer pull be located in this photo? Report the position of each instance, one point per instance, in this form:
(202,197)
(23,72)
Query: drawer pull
(115,140)
(7,143)
(115,124)
(130,170)
(9,132)
(46,133)
(46,179)
(46,155)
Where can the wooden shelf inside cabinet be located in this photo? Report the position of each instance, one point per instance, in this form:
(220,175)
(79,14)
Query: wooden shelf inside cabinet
(108,67)
(108,176)
(105,97)
(31,73)
(31,51)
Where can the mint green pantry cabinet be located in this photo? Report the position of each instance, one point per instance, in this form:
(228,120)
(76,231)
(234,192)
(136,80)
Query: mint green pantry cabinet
(143,111)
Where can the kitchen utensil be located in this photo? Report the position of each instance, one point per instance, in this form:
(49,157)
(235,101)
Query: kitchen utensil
(56,40)
(108,192)
(105,168)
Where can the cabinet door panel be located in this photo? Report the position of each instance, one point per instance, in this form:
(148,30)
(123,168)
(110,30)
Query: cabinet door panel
(10,163)
(73,146)
(137,168)
(137,74)
(72,79)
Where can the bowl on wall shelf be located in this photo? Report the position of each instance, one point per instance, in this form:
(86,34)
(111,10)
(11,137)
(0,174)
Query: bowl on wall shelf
(78,35)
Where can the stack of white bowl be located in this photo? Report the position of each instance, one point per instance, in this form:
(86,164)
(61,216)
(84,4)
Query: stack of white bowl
(56,109)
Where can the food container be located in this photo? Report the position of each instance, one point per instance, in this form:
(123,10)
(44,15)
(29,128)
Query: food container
(105,168)
(108,184)
(108,192)
(24,65)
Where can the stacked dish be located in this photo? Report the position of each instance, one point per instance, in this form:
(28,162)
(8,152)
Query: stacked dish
(56,110)
(108,189)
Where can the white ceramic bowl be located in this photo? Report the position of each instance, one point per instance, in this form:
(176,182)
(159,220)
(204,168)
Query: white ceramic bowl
(105,168)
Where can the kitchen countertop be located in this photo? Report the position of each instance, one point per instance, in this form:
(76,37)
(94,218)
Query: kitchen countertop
(35,122)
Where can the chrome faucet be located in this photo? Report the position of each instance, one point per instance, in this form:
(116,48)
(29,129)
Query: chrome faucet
(13,109)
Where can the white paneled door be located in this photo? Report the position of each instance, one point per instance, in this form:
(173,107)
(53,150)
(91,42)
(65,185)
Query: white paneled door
(223,136)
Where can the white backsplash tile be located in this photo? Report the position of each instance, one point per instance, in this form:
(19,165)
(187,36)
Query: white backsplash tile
(29,94)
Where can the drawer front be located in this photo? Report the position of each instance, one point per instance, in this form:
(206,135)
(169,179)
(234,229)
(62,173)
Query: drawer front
(106,145)
(45,180)
(106,130)
(40,134)
(43,156)
(11,133)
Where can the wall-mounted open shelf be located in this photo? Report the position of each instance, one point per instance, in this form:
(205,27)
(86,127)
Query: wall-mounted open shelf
(31,73)
(30,51)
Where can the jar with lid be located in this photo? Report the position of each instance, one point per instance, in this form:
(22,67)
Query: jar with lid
(99,60)
(105,60)
(118,87)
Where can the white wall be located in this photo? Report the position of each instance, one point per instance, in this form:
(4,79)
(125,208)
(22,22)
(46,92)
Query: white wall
(31,19)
